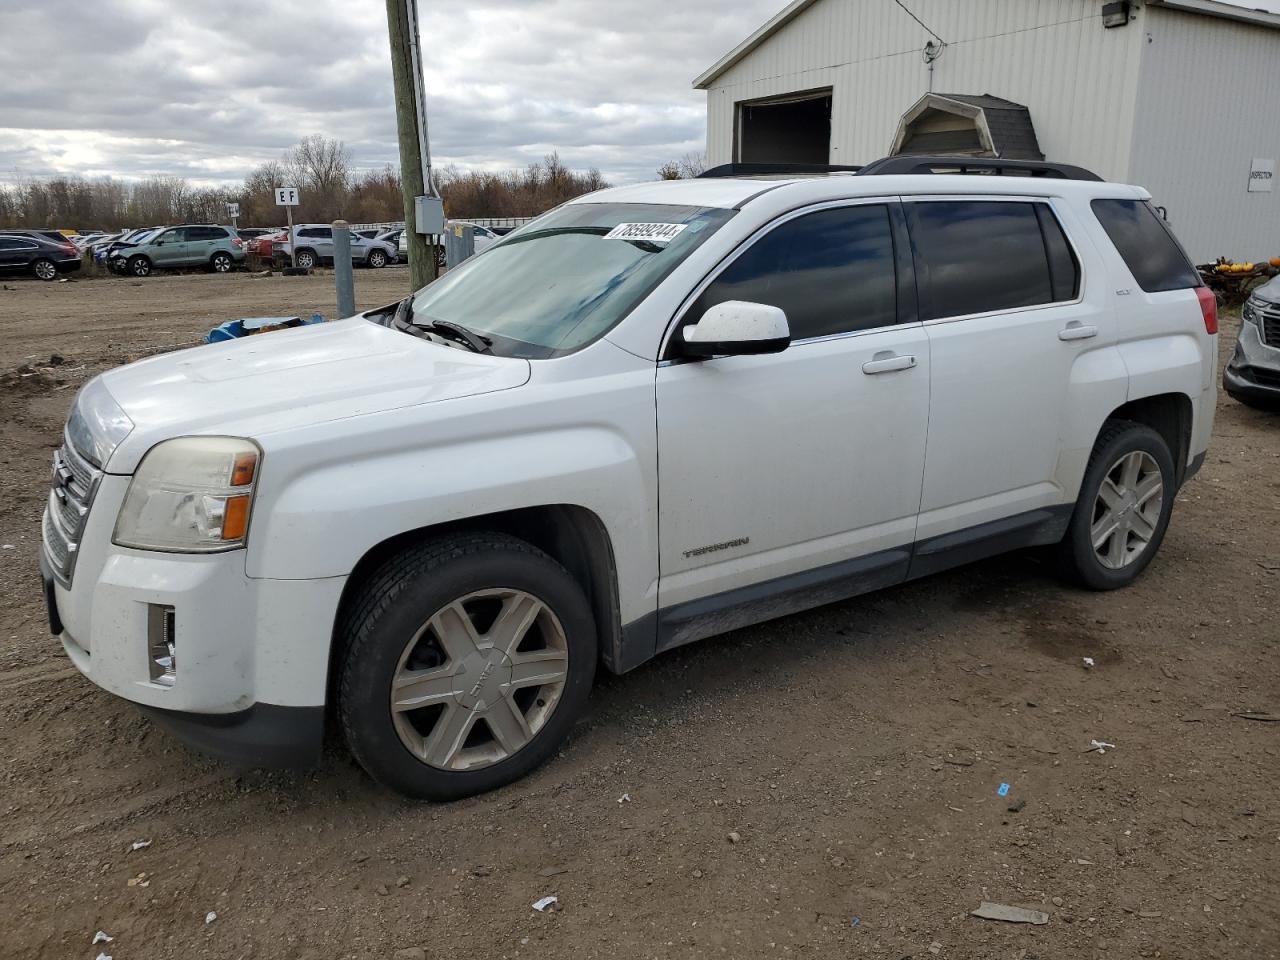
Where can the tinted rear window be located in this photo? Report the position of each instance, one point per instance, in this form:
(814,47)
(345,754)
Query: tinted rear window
(1150,251)
(979,256)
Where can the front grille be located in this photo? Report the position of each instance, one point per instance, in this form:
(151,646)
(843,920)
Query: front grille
(1269,323)
(74,482)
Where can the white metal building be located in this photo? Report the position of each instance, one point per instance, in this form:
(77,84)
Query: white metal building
(1179,96)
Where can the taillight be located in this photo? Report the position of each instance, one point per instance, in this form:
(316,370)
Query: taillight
(238,242)
(70,248)
(1208,307)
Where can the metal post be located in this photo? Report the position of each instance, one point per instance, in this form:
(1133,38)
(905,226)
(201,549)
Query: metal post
(343,273)
(410,107)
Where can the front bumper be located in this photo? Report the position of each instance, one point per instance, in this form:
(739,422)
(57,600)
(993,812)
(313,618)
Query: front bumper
(251,655)
(1253,373)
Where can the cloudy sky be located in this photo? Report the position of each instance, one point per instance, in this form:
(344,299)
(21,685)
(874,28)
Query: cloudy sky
(208,90)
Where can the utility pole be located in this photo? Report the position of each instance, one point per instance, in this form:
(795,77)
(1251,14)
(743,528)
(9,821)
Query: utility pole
(410,127)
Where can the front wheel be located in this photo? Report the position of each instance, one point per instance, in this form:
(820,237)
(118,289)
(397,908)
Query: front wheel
(45,269)
(221,262)
(377,258)
(139,266)
(467,661)
(1123,510)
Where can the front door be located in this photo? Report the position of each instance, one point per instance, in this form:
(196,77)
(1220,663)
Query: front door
(169,249)
(793,479)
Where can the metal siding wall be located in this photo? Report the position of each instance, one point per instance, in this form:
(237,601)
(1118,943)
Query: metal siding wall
(1078,79)
(1202,116)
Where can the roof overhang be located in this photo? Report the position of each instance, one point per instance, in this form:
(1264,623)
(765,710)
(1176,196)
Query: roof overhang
(1216,8)
(1212,8)
(783,17)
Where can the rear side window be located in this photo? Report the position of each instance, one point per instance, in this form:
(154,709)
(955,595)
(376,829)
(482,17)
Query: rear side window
(830,272)
(979,256)
(1150,251)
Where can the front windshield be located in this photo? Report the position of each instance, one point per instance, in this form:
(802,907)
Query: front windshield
(557,284)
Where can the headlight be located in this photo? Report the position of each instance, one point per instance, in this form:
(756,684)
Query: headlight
(97,423)
(190,495)
(1250,312)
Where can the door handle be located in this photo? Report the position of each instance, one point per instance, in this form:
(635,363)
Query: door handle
(1075,330)
(887,363)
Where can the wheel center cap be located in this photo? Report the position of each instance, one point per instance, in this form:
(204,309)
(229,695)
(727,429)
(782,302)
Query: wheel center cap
(479,679)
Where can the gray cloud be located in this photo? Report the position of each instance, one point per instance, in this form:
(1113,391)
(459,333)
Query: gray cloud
(137,87)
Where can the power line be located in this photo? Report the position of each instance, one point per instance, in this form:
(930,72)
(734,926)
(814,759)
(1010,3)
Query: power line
(919,21)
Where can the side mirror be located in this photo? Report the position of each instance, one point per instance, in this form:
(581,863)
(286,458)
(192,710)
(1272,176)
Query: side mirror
(737,328)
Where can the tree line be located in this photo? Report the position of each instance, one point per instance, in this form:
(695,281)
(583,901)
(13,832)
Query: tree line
(320,167)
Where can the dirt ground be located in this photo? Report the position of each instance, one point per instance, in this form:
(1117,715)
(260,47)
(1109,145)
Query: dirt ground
(826,785)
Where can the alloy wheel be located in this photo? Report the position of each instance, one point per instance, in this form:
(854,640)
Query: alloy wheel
(222,263)
(45,270)
(1126,512)
(479,679)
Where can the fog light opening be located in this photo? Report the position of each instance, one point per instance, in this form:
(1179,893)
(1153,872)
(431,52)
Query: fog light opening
(161,651)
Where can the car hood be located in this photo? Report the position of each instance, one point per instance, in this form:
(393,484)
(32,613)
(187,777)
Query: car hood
(1269,291)
(273,382)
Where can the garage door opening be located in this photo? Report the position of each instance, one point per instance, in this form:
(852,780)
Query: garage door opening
(791,129)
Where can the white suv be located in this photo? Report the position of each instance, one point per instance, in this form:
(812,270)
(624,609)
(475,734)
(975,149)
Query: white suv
(657,413)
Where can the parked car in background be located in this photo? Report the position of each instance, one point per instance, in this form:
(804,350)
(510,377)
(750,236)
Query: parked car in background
(312,246)
(264,245)
(484,238)
(189,245)
(38,256)
(667,411)
(91,248)
(57,236)
(1253,372)
(250,234)
(369,233)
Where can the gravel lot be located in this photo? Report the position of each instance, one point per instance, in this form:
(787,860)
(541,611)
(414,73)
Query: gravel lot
(821,786)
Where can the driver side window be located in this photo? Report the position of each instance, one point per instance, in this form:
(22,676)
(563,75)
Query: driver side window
(173,236)
(831,272)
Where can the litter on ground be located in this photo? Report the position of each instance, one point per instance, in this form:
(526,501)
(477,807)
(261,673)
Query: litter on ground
(545,904)
(999,911)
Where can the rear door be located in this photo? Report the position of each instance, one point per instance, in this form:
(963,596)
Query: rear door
(1010,320)
(201,242)
(796,471)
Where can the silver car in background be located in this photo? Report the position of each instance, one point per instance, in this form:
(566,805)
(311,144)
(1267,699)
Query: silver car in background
(312,246)
(1253,373)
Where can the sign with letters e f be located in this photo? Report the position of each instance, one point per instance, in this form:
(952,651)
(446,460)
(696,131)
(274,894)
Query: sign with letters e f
(1262,174)
(286,196)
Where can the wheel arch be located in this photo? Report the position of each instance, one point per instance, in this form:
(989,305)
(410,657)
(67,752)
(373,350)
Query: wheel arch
(572,535)
(1168,414)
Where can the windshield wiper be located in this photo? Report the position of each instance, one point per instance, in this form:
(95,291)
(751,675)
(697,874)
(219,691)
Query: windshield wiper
(454,333)
(477,342)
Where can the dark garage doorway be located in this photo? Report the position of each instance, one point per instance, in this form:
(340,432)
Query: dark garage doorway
(791,129)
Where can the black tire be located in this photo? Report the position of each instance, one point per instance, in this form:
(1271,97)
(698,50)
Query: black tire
(392,607)
(221,262)
(139,266)
(377,259)
(44,269)
(441,259)
(306,260)
(1077,556)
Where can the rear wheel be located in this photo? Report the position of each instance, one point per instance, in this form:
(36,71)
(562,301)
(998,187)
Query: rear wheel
(306,259)
(1123,510)
(139,266)
(467,661)
(45,269)
(221,262)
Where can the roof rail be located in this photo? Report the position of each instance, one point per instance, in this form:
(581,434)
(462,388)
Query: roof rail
(772,169)
(976,165)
